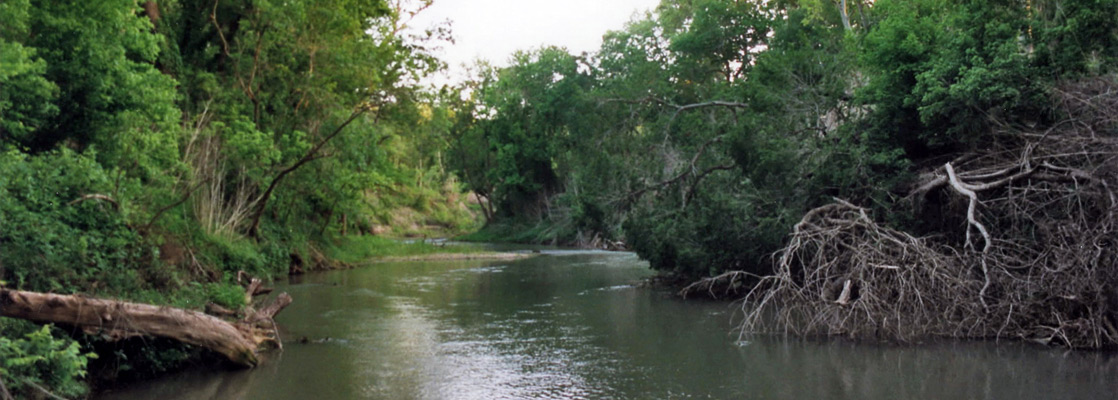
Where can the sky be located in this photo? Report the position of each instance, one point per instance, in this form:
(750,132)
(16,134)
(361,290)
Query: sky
(494,29)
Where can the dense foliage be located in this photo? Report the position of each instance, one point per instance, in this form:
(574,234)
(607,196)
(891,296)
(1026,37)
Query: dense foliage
(701,132)
(34,358)
(149,150)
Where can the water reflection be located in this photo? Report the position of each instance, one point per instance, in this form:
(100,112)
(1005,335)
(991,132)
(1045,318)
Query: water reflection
(575,325)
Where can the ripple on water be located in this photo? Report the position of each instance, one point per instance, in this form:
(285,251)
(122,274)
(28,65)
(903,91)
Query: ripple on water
(481,270)
(364,292)
(494,339)
(614,288)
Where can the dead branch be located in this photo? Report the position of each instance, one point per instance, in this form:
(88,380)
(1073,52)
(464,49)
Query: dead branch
(217,27)
(183,199)
(972,220)
(731,282)
(219,311)
(1049,225)
(690,192)
(679,108)
(254,284)
(98,197)
(43,390)
(841,273)
(689,171)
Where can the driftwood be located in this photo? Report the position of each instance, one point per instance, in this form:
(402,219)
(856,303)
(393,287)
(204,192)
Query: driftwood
(1043,265)
(238,341)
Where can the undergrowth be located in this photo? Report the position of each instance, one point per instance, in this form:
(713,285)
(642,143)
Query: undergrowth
(356,249)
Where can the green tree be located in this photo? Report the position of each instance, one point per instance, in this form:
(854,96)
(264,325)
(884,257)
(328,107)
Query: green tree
(716,38)
(1074,37)
(941,72)
(530,112)
(99,56)
(27,98)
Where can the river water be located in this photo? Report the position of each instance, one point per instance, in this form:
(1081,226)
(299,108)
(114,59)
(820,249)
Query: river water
(578,325)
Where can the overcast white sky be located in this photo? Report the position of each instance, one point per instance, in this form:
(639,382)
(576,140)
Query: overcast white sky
(494,29)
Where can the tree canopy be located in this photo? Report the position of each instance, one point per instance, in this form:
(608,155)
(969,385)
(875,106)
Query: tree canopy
(701,132)
(151,149)
(155,147)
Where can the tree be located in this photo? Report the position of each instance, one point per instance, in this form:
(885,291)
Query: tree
(323,66)
(942,73)
(531,112)
(84,75)
(716,36)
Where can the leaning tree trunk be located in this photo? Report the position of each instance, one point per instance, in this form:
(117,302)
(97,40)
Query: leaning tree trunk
(237,341)
(845,16)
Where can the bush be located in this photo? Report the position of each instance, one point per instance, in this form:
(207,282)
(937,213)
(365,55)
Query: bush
(940,73)
(42,358)
(61,229)
(718,232)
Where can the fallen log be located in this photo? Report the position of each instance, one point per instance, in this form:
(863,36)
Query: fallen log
(238,341)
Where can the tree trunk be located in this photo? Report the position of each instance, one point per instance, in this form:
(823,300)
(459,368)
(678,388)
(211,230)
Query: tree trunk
(151,8)
(311,155)
(4,395)
(237,341)
(486,206)
(845,16)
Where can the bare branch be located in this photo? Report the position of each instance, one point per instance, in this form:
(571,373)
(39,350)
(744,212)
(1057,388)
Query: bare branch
(98,197)
(1048,223)
(4,395)
(966,190)
(217,27)
(310,155)
(177,203)
(688,171)
(678,108)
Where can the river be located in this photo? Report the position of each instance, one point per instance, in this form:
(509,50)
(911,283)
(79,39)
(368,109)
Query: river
(578,325)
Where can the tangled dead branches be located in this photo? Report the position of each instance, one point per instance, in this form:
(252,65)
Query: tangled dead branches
(843,274)
(1043,265)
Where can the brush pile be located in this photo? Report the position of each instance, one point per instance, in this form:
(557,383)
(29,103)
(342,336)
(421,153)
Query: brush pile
(1023,244)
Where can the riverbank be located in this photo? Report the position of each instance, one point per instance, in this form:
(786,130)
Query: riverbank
(80,362)
(357,250)
(364,250)
(486,256)
(542,233)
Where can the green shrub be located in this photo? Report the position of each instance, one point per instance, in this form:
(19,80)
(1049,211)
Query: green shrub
(39,357)
(228,295)
(356,249)
(55,235)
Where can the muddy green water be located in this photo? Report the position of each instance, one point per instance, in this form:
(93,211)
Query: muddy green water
(575,325)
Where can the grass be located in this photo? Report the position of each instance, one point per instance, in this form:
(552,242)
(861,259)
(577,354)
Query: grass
(428,211)
(356,249)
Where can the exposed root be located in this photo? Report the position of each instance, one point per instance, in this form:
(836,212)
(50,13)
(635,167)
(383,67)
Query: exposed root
(726,285)
(968,191)
(1045,207)
(843,274)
